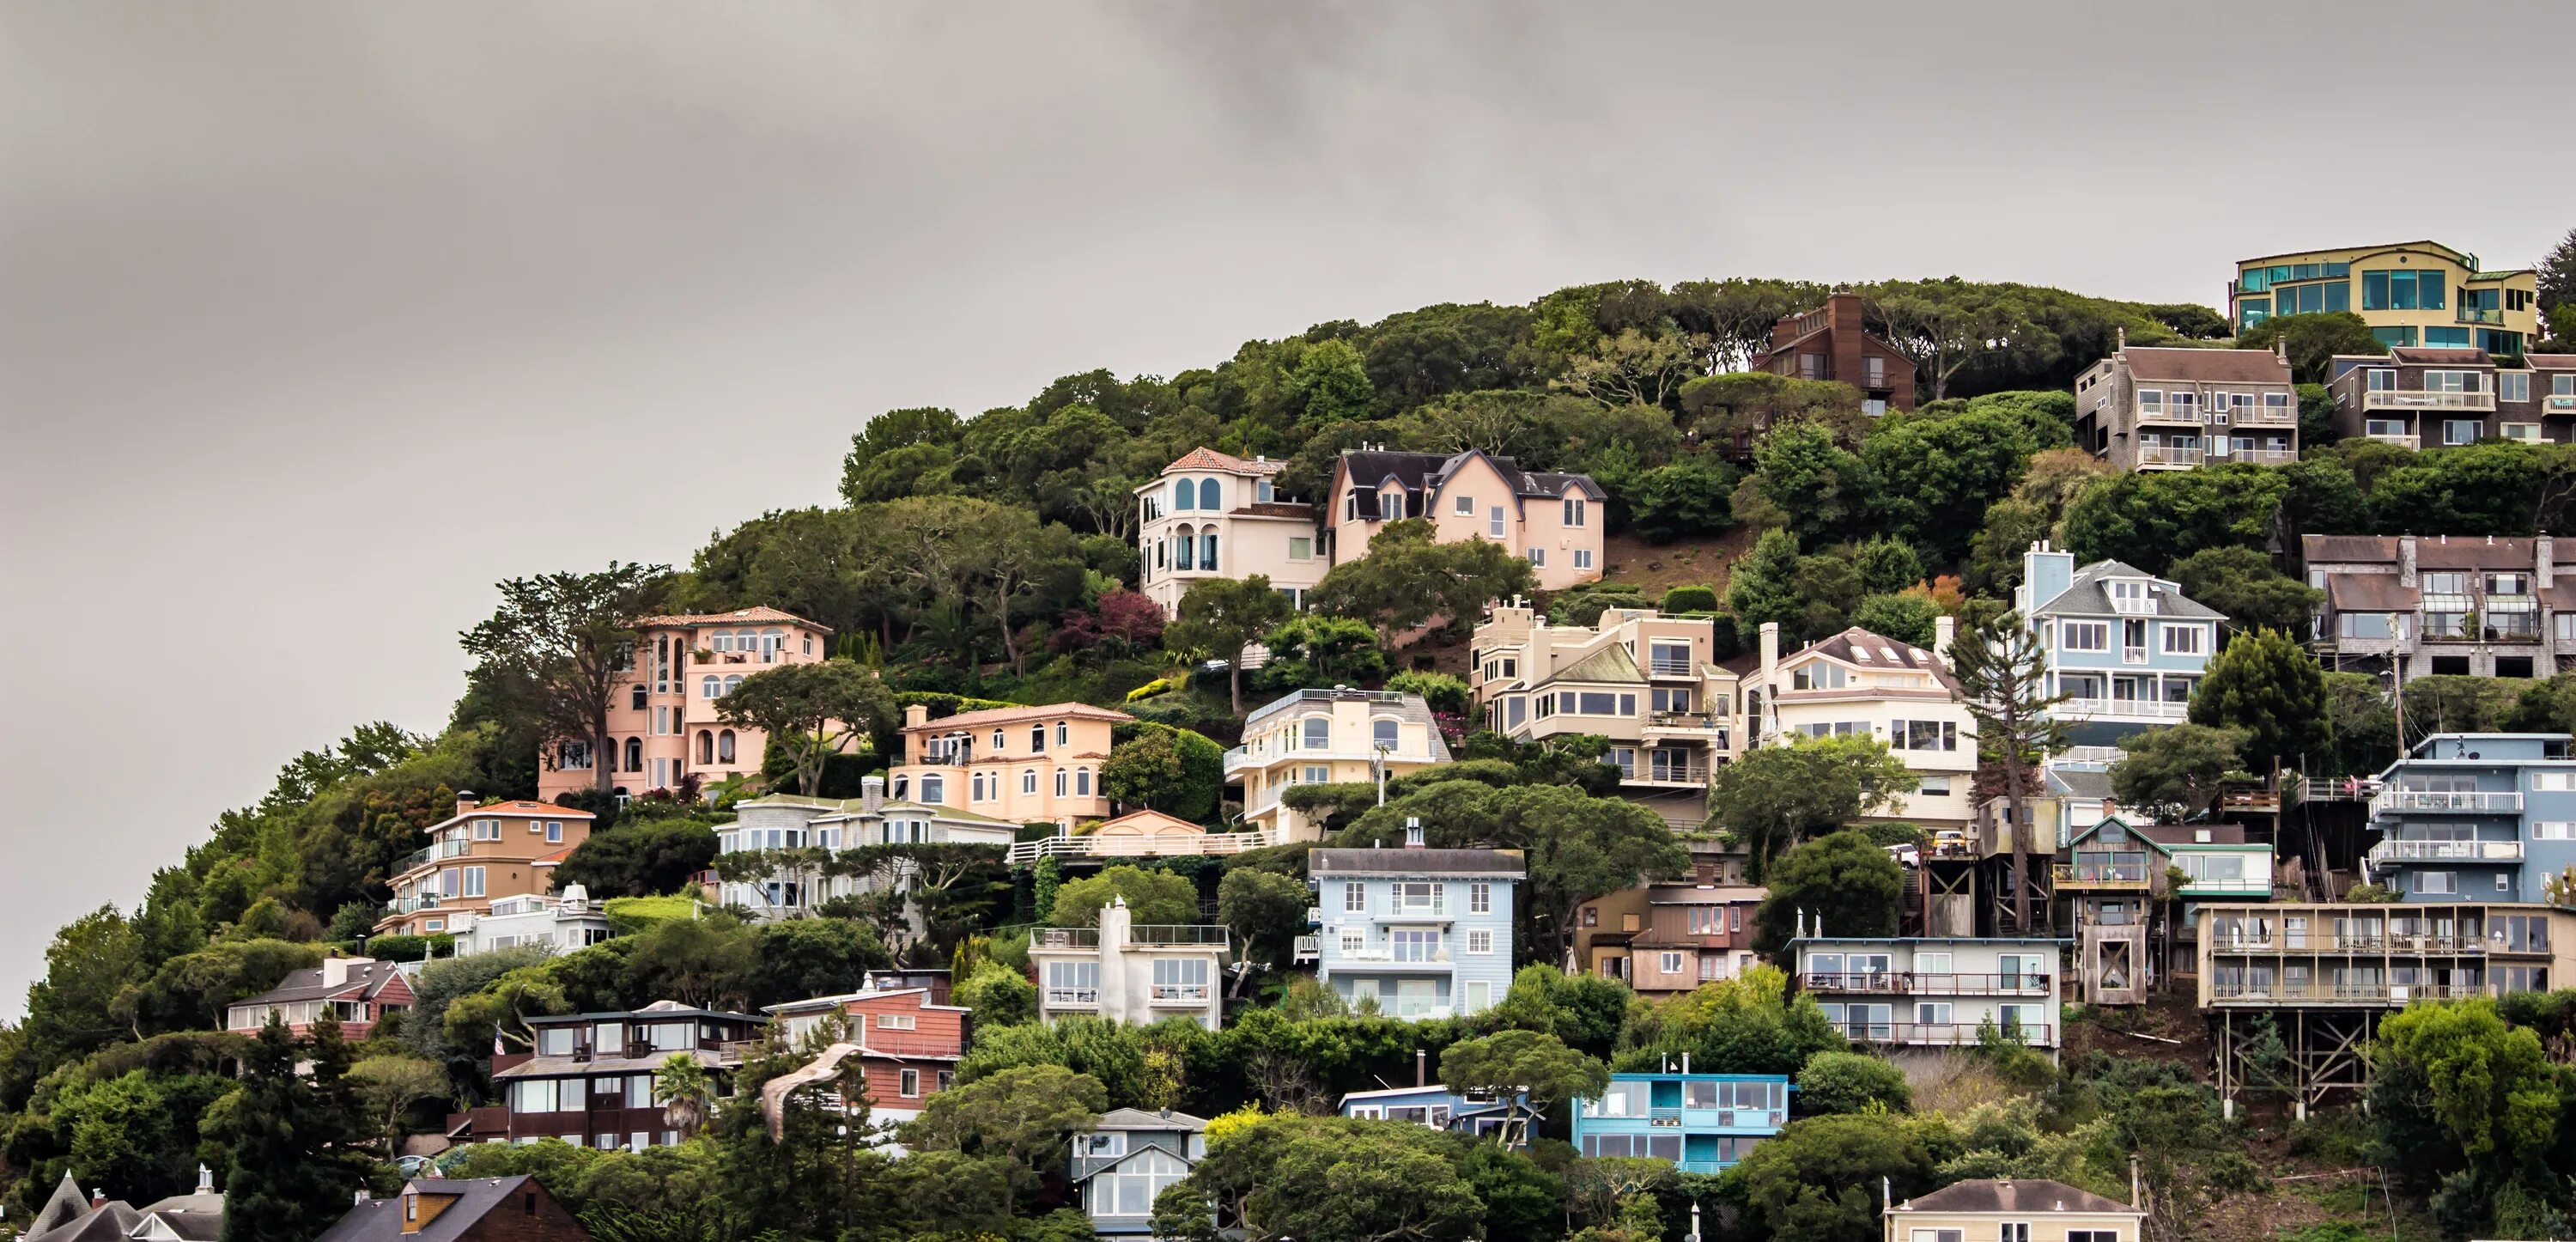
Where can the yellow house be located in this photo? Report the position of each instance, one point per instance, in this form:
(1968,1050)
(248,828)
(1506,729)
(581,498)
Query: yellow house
(2013,1210)
(1314,737)
(2417,293)
(1021,765)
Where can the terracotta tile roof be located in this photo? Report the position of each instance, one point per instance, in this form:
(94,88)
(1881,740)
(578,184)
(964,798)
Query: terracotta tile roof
(528,808)
(2207,366)
(1013,715)
(760,615)
(1210,459)
(549,860)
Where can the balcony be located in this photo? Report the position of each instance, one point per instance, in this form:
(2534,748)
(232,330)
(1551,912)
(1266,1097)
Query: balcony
(2267,416)
(1180,994)
(1073,998)
(2121,709)
(2326,992)
(1944,1034)
(1307,949)
(2171,415)
(2425,399)
(406,905)
(2399,441)
(2442,801)
(2103,877)
(1910,983)
(2157,455)
(2401,851)
(2234,886)
(2263,456)
(1691,772)
(442,850)
(1390,955)
(2558,404)
(2475,314)
(1207,844)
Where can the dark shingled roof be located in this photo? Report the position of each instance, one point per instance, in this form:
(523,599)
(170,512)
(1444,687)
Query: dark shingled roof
(2018,1197)
(1502,863)
(2207,366)
(382,1218)
(1422,474)
(2405,354)
(2371,593)
(109,1222)
(304,985)
(2338,549)
(2086,596)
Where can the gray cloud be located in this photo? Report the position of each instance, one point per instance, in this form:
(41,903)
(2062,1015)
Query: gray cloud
(318,319)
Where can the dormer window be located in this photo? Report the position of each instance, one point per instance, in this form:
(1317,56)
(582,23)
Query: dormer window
(2131,595)
(1819,675)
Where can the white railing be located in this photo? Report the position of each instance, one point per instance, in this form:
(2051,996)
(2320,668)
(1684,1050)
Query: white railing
(2265,456)
(2161,456)
(1180,993)
(1387,953)
(2092,754)
(2161,413)
(2446,851)
(2560,405)
(2445,800)
(1059,998)
(2150,709)
(2423,399)
(1175,845)
(1669,668)
(2400,441)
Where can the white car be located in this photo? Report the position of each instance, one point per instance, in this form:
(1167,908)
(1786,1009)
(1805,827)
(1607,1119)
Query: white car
(1906,855)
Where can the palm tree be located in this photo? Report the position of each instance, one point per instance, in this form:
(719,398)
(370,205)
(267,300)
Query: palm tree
(682,1086)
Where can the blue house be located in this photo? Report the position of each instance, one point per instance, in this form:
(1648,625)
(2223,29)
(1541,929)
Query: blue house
(2124,645)
(1701,1122)
(2476,817)
(1414,932)
(1441,1109)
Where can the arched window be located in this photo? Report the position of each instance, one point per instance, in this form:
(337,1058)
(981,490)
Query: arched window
(710,686)
(998,747)
(1383,733)
(771,642)
(706,747)
(1061,733)
(1185,542)
(902,788)
(1060,785)
(934,789)
(1319,733)
(1207,549)
(724,746)
(638,703)
(1037,739)
(1211,494)
(1183,494)
(1082,783)
(1028,780)
(733,683)
(634,754)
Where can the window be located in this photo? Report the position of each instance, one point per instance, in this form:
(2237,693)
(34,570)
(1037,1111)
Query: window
(934,789)
(1538,558)
(2461,430)
(1318,732)
(1417,897)
(2092,1235)
(1211,495)
(2402,290)
(1184,496)
(1934,787)
(2183,639)
(1480,898)
(1060,782)
(1354,897)
(1106,1143)
(1037,739)
(1466,506)
(2513,386)
(2084,635)
(1574,511)
(1028,780)
(2014,1231)
(710,686)
(1129,1188)
(1072,983)
(2441,882)
(1480,941)
(1923,735)
(1494,522)
(554,831)
(1301,548)
(1583,558)
(1480,996)
(473,882)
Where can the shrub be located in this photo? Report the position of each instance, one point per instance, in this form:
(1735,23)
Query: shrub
(1160,685)
(1690,599)
(1851,1082)
(1441,691)
(411,948)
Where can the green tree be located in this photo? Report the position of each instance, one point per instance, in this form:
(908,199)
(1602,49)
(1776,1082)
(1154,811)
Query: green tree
(797,958)
(1774,797)
(556,648)
(1948,325)
(2265,684)
(1821,1179)
(1441,692)
(1221,616)
(1331,385)
(1408,577)
(645,859)
(1293,1177)
(1523,1069)
(817,708)
(2558,273)
(1684,498)
(1816,483)
(998,996)
(1841,882)
(2241,583)
(288,1136)
(2312,341)
(2490,1085)
(1927,469)
(2002,670)
(2174,773)
(2364,725)
(1313,651)
(1763,584)
(1266,913)
(388,1087)
(2152,519)
(1144,771)
(1851,1082)
(1751,1024)
(1153,898)
(1909,617)
(1028,1115)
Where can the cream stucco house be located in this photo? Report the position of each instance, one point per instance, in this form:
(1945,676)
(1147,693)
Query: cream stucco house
(1019,765)
(1647,682)
(1859,684)
(1214,515)
(1314,737)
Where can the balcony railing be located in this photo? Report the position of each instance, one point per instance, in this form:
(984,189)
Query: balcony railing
(1167,846)
(2399,441)
(2227,886)
(1180,994)
(2263,456)
(442,850)
(2161,456)
(426,901)
(2419,943)
(1944,1034)
(1695,722)
(2445,801)
(2266,416)
(2425,399)
(2145,709)
(1666,773)
(2104,876)
(1307,949)
(1064,998)
(1663,667)
(1911,983)
(2476,314)
(1142,933)
(2446,851)
(2330,992)
(2181,417)
(2557,404)
(1389,953)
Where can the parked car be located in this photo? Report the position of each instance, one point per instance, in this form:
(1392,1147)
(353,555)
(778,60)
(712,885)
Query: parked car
(1906,855)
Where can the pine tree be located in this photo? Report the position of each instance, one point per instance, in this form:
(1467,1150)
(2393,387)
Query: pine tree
(293,1171)
(2003,678)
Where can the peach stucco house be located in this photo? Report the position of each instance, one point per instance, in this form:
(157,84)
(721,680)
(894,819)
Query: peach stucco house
(1336,736)
(507,849)
(662,722)
(1213,515)
(1553,520)
(1022,765)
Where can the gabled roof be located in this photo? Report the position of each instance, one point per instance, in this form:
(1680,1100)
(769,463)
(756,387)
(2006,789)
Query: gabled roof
(1147,822)
(1500,864)
(382,1219)
(1018,715)
(2086,595)
(66,1205)
(1610,664)
(1139,1119)
(2016,1197)
(1883,652)
(1421,474)
(2106,821)
(761,614)
(2080,782)
(108,1222)
(2206,366)
(364,979)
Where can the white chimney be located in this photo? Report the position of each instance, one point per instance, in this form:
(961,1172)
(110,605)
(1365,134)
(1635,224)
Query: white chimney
(872,793)
(1412,833)
(1944,629)
(1770,648)
(205,1180)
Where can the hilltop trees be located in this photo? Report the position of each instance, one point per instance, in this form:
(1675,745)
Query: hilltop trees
(1220,616)
(554,651)
(1408,577)
(1774,797)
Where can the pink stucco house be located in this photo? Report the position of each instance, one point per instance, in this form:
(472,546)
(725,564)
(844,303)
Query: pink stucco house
(1215,515)
(1552,520)
(662,723)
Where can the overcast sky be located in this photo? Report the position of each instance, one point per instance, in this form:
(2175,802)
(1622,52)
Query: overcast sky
(318,319)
